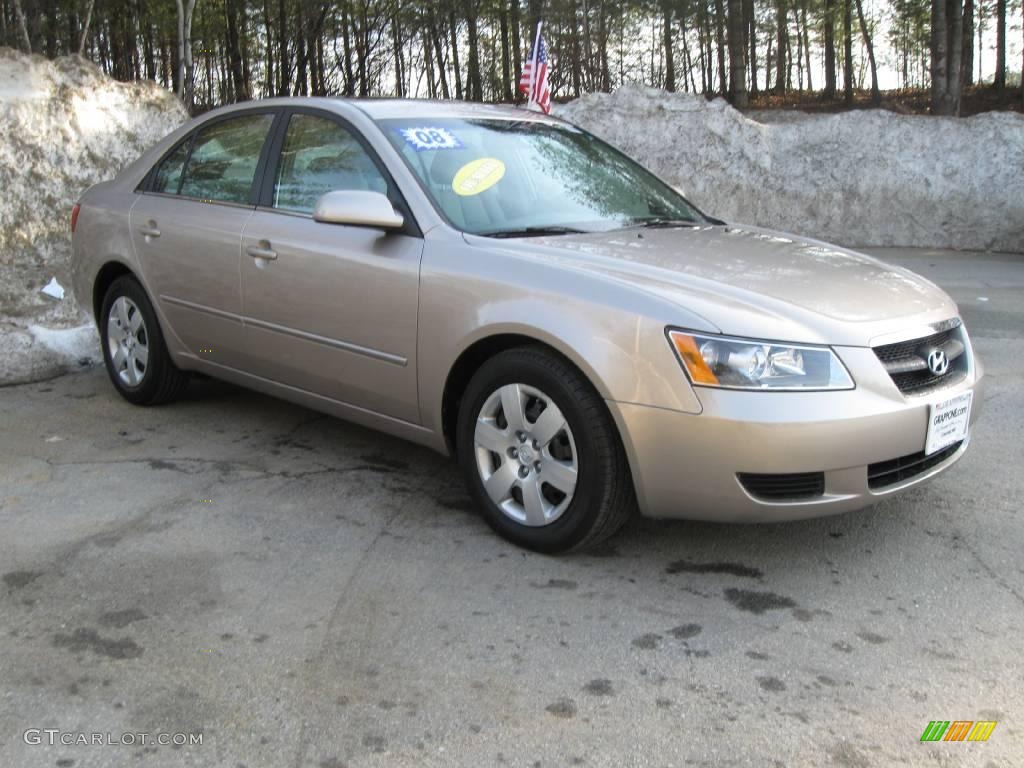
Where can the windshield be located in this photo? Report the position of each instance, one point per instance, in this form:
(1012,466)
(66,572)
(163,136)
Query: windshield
(510,177)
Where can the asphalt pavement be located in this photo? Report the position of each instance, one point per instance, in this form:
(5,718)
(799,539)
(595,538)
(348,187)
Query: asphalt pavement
(302,592)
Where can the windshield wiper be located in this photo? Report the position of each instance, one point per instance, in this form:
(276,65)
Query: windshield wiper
(533,231)
(660,221)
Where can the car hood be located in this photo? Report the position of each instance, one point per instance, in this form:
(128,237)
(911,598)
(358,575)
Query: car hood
(757,282)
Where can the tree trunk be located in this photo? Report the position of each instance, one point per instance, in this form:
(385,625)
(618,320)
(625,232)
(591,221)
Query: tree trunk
(967,62)
(185,66)
(940,65)
(737,66)
(830,50)
(751,32)
(876,96)
(506,74)
(85,27)
(807,44)
(455,54)
(848,51)
(284,67)
(670,69)
(234,51)
(723,84)
(516,23)
(781,45)
(955,56)
(1000,79)
(23,27)
(474,84)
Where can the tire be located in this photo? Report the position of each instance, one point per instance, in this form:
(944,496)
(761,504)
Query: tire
(548,513)
(137,361)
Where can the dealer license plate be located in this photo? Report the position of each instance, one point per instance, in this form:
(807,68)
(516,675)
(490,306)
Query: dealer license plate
(947,422)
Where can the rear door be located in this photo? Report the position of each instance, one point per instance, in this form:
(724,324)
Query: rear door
(187,229)
(333,309)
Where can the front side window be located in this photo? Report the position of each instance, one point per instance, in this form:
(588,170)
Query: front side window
(321,156)
(168,174)
(224,159)
(508,177)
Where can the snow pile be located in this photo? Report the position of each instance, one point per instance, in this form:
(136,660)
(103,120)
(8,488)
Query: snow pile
(64,126)
(856,178)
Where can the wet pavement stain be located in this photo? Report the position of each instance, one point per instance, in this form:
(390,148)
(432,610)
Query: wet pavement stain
(647,642)
(771,684)
(758,602)
(121,619)
(380,460)
(599,687)
(731,569)
(556,584)
(873,638)
(563,707)
(20,579)
(685,631)
(83,639)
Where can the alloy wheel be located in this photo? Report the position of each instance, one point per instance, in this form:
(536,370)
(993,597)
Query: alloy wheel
(526,454)
(127,341)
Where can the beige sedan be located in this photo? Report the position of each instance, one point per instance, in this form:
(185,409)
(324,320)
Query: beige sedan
(504,287)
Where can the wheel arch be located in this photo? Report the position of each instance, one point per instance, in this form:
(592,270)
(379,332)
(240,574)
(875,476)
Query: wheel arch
(484,348)
(105,277)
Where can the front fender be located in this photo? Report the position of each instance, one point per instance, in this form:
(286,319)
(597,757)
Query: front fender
(613,334)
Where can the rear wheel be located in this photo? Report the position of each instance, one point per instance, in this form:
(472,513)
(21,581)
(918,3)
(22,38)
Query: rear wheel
(133,347)
(540,453)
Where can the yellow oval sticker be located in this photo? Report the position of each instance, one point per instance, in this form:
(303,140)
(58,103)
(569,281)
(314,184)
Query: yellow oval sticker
(476,176)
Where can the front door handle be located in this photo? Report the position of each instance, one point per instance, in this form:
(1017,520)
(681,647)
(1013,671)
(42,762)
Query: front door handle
(262,251)
(150,230)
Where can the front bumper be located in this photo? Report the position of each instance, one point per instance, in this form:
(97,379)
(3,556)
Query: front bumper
(685,465)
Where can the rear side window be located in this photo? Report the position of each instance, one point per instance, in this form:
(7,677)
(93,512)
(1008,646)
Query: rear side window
(321,156)
(168,174)
(224,159)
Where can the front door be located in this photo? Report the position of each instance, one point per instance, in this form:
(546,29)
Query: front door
(330,309)
(187,231)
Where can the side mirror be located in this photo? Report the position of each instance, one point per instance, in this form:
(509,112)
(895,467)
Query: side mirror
(357,208)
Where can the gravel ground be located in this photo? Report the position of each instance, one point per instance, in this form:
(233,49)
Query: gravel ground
(303,592)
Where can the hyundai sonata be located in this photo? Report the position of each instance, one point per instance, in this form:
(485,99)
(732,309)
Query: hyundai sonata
(506,288)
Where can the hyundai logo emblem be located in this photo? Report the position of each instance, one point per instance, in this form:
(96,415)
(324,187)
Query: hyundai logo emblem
(938,363)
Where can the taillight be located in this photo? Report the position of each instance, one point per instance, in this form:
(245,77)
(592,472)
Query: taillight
(74,217)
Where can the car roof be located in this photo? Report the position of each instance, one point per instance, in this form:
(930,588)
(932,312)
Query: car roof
(383,109)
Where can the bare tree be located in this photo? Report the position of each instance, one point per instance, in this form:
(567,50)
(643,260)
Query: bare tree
(876,96)
(85,27)
(737,65)
(940,55)
(22,27)
(185,67)
(1000,79)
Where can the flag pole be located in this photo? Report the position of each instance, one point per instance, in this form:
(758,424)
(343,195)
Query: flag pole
(533,69)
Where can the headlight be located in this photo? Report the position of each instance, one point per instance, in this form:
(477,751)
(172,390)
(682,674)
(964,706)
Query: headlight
(731,363)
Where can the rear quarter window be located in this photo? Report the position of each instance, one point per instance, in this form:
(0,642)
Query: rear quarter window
(168,174)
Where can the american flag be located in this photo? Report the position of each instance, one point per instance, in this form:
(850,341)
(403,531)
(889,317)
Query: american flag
(534,82)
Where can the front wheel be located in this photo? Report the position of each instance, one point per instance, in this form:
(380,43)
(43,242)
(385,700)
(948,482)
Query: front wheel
(540,453)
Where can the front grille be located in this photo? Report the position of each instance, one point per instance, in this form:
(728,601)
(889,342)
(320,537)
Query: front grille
(792,487)
(883,473)
(907,361)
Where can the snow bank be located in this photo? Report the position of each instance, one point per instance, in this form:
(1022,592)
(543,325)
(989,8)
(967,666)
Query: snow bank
(64,126)
(865,178)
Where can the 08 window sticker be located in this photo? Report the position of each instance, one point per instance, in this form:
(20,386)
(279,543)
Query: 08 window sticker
(429,137)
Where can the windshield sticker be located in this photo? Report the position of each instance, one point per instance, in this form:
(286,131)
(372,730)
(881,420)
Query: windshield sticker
(428,137)
(476,176)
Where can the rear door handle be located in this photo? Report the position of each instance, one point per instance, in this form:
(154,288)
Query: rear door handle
(150,230)
(262,251)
